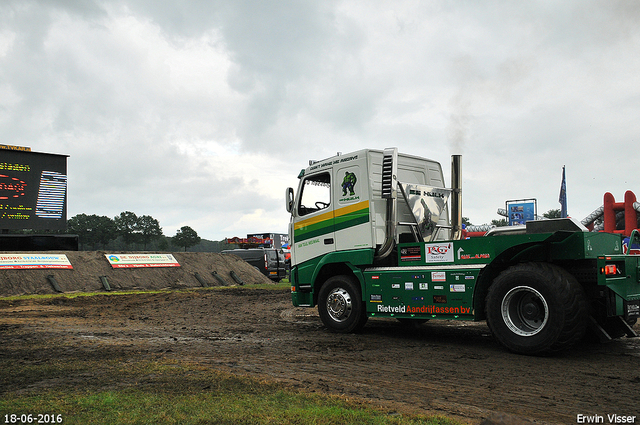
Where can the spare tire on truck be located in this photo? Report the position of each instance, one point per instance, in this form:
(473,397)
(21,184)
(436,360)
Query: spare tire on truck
(536,308)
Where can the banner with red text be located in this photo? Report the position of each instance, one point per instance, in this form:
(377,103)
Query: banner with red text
(34,261)
(118,261)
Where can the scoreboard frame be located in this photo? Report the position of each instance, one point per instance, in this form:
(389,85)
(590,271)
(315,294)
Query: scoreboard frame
(33,190)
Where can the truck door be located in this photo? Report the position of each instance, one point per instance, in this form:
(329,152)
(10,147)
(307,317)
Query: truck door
(313,229)
(351,207)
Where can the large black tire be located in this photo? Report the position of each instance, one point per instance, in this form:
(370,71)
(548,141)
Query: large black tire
(536,308)
(340,305)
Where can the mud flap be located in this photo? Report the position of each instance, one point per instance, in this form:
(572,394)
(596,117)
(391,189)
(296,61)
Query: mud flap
(619,323)
(627,329)
(598,330)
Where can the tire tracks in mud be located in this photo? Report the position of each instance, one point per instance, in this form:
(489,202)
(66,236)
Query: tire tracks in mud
(440,367)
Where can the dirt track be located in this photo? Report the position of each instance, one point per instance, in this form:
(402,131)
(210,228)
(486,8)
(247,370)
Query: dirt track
(449,368)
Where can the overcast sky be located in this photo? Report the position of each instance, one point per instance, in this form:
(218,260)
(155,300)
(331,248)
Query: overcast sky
(201,113)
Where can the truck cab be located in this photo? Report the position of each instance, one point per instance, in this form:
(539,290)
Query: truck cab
(340,206)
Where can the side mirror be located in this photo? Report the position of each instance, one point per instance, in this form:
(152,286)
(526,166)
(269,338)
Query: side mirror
(289,199)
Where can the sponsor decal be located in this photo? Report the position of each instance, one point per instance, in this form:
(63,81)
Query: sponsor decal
(438,252)
(424,286)
(430,194)
(334,162)
(308,243)
(408,286)
(34,261)
(475,257)
(375,277)
(457,288)
(417,299)
(390,309)
(349,183)
(439,299)
(349,199)
(411,253)
(395,286)
(438,276)
(462,256)
(428,309)
(459,276)
(438,287)
(432,309)
(376,298)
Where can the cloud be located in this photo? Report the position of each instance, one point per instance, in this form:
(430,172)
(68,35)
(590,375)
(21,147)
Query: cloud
(200,113)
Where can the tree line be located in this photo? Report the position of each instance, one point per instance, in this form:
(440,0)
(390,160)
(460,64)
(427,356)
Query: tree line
(128,231)
(132,232)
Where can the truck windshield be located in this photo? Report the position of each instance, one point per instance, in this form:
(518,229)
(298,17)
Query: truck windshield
(315,194)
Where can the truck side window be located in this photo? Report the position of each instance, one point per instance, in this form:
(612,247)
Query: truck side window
(316,194)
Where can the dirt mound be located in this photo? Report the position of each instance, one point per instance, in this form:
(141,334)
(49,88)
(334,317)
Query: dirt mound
(89,266)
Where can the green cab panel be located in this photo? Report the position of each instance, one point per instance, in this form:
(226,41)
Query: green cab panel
(304,277)
(434,292)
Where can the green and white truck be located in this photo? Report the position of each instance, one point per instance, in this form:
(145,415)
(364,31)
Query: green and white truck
(371,236)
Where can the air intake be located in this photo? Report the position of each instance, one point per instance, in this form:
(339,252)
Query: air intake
(389,171)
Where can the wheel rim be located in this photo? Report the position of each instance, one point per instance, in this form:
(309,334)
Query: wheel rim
(524,311)
(339,305)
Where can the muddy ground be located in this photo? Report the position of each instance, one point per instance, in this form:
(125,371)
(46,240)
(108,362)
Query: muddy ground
(449,368)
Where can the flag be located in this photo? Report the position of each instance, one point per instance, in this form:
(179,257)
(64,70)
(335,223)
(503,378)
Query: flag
(563,195)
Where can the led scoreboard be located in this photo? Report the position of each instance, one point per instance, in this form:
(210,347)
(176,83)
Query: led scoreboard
(33,189)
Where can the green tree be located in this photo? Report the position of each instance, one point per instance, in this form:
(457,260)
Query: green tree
(92,229)
(186,237)
(127,227)
(500,223)
(105,230)
(149,229)
(553,213)
(163,244)
(79,225)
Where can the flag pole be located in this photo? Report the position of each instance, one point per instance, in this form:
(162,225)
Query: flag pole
(563,195)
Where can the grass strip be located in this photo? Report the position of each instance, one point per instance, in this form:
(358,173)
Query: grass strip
(171,392)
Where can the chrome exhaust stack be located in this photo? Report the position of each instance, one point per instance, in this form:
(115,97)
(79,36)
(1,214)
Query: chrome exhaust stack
(456,197)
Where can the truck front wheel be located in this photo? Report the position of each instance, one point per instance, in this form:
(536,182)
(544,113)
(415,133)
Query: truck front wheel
(536,308)
(340,305)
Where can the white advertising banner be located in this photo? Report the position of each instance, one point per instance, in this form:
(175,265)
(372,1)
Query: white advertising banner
(441,252)
(34,261)
(119,261)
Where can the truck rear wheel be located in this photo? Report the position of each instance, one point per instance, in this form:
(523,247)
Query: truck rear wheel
(536,308)
(340,305)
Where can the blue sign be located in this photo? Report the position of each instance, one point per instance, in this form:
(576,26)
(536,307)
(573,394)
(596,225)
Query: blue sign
(519,212)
